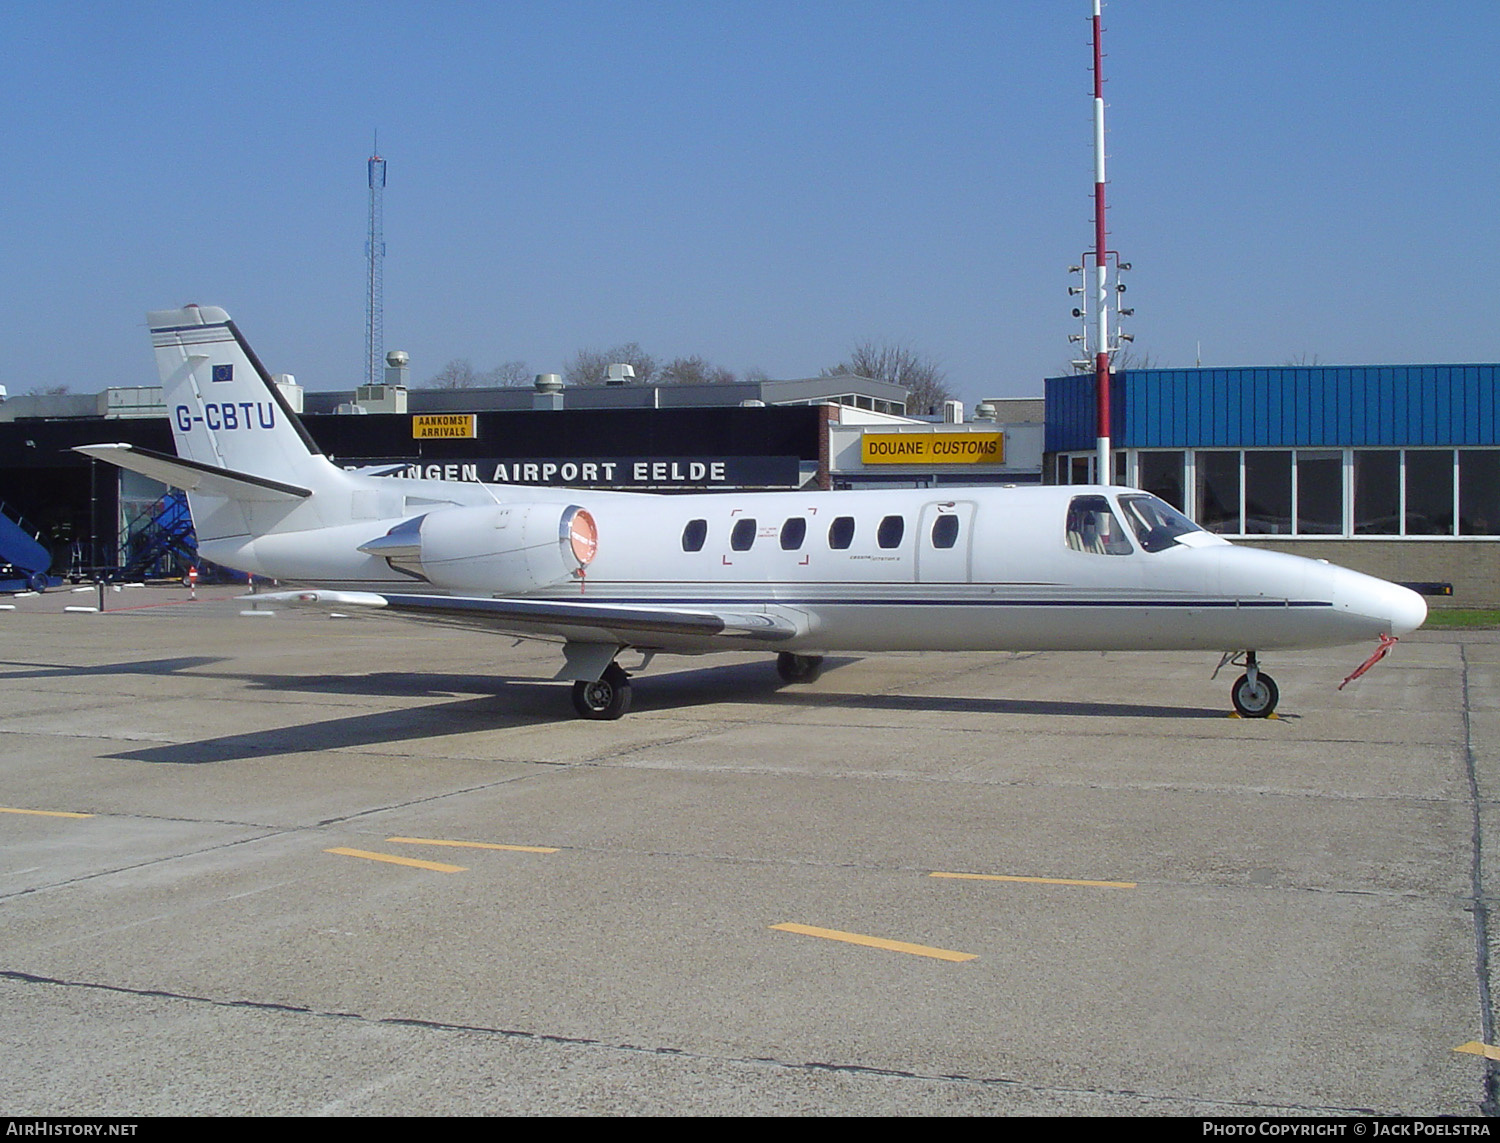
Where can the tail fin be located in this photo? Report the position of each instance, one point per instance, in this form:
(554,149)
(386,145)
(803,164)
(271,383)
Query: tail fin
(249,466)
(226,412)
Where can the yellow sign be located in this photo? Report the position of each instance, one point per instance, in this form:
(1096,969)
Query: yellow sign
(932,448)
(430,425)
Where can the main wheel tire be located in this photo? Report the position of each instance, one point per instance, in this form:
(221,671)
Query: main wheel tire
(606,698)
(1256,701)
(37,582)
(798,668)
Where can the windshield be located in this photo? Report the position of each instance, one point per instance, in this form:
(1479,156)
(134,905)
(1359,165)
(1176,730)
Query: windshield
(1155,522)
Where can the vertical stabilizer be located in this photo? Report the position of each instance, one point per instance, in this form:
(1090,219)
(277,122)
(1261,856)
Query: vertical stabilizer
(227,413)
(225,409)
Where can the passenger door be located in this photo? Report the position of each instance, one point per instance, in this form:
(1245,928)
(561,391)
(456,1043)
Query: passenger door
(945,542)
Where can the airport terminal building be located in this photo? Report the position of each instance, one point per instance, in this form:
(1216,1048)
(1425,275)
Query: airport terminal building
(825,432)
(1392,470)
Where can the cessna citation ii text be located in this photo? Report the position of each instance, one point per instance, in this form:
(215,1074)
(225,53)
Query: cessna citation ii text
(798,573)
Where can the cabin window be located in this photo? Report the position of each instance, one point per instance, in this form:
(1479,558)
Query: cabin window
(892,528)
(743,535)
(1157,524)
(945,531)
(793,532)
(693,535)
(841,532)
(1092,527)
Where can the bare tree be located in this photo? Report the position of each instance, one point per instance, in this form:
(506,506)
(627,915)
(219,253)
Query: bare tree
(457,374)
(694,370)
(507,375)
(898,365)
(1121,359)
(1128,357)
(591,366)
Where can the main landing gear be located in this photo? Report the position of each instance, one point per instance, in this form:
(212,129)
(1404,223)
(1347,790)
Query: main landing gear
(798,668)
(606,698)
(1254,694)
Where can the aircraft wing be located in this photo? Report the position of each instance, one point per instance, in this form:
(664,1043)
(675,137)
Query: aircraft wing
(192,475)
(620,624)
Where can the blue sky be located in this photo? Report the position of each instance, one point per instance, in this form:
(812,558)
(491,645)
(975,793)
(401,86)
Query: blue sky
(762,183)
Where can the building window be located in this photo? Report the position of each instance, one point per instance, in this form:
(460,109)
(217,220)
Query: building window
(1218,492)
(891,529)
(693,535)
(1268,493)
(945,531)
(841,533)
(743,535)
(1320,492)
(1478,492)
(793,532)
(1429,492)
(1377,492)
(1160,473)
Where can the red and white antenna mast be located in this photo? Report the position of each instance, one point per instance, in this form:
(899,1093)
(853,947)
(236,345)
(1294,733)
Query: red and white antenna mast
(1097,334)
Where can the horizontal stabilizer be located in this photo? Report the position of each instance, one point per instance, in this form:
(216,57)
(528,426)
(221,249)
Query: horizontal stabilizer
(192,476)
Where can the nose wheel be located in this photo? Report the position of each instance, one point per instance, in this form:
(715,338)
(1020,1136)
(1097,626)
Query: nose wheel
(1254,693)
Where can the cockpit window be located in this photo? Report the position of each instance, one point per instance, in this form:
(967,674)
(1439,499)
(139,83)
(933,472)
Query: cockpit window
(1155,522)
(1093,527)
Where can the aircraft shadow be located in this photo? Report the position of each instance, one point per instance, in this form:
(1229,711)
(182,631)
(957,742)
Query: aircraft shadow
(497,704)
(383,684)
(758,682)
(144,667)
(511,705)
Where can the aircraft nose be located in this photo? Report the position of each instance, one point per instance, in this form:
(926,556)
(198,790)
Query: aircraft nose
(1406,609)
(1391,608)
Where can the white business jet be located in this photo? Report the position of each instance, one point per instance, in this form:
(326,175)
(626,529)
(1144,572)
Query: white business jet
(798,573)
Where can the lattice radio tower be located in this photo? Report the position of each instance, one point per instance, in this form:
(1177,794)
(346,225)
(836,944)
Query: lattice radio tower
(375,252)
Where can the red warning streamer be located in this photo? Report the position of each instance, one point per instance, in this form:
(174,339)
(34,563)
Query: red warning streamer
(1386,643)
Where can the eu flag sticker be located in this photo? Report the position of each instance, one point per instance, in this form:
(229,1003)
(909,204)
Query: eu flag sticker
(223,372)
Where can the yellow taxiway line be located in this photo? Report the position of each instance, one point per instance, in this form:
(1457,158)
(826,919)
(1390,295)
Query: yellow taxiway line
(44,813)
(874,942)
(435,866)
(472,844)
(1474,1047)
(1038,880)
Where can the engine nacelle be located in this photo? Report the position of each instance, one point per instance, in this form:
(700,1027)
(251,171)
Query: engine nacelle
(497,549)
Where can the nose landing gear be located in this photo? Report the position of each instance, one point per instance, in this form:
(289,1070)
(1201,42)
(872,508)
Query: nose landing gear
(1254,694)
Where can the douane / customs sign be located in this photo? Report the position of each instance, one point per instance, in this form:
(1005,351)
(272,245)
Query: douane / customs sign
(932,448)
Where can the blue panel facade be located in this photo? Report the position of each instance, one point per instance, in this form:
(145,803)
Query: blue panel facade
(1289,407)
